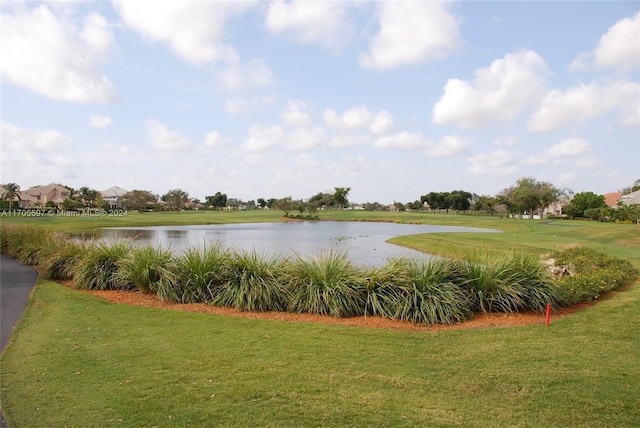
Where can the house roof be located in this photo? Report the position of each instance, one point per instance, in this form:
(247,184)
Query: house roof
(43,190)
(611,199)
(631,198)
(113,192)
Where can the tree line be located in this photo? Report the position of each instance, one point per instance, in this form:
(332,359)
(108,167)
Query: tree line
(526,197)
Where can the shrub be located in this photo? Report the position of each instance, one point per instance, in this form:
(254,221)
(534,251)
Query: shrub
(591,273)
(430,294)
(151,270)
(538,286)
(328,284)
(26,243)
(62,257)
(203,272)
(255,283)
(383,288)
(98,268)
(489,282)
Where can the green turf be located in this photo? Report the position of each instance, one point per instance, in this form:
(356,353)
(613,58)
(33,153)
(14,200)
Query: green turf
(79,361)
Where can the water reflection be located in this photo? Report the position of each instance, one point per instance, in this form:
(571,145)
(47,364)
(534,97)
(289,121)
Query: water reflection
(364,242)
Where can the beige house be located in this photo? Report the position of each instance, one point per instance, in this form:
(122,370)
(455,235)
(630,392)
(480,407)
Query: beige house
(555,208)
(113,196)
(36,197)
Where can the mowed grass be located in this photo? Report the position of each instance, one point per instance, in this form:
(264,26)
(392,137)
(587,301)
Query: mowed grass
(79,361)
(75,360)
(133,218)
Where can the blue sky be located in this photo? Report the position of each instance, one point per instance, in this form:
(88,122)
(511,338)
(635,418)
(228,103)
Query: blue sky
(275,99)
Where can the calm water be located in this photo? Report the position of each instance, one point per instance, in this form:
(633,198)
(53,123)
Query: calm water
(364,242)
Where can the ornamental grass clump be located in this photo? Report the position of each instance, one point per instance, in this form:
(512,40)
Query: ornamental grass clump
(536,283)
(62,258)
(98,268)
(203,272)
(431,294)
(26,243)
(491,283)
(255,283)
(383,287)
(151,270)
(327,284)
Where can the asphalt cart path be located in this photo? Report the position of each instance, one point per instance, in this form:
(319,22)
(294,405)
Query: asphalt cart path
(16,283)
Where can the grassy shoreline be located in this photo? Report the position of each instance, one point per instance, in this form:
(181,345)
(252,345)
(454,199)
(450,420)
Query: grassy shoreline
(535,236)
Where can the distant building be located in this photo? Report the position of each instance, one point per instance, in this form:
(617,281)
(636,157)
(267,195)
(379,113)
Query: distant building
(555,208)
(113,196)
(40,195)
(611,199)
(630,198)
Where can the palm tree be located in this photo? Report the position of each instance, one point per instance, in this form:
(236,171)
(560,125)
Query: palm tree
(11,191)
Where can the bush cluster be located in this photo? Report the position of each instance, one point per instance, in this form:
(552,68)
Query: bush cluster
(433,291)
(592,273)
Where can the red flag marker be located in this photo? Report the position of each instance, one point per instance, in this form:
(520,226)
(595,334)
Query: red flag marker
(546,319)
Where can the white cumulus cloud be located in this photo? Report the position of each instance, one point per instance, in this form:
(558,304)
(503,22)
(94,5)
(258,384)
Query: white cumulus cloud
(163,138)
(192,29)
(579,104)
(354,118)
(382,123)
(305,138)
(214,139)
(296,114)
(497,163)
(52,56)
(617,49)
(401,140)
(16,138)
(562,152)
(263,137)
(412,32)
(498,93)
(310,22)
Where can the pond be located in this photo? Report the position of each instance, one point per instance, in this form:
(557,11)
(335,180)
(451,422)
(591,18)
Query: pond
(364,242)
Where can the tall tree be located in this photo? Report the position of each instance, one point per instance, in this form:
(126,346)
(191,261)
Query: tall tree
(286,205)
(89,197)
(175,199)
(458,200)
(485,203)
(138,200)
(323,200)
(582,202)
(11,191)
(635,186)
(340,196)
(529,195)
(219,200)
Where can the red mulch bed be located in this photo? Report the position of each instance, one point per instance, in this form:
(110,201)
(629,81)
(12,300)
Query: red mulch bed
(137,298)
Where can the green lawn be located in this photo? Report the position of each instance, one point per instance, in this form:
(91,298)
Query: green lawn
(76,360)
(79,361)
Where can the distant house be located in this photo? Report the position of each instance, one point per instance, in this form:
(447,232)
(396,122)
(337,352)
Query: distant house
(40,195)
(555,208)
(630,198)
(113,196)
(611,199)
